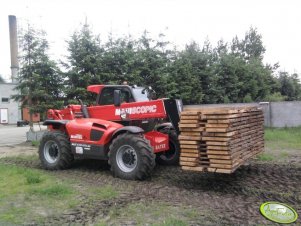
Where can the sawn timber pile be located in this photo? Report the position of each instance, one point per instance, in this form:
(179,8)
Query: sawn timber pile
(220,139)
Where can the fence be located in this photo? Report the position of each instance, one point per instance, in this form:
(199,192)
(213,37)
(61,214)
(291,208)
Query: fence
(276,114)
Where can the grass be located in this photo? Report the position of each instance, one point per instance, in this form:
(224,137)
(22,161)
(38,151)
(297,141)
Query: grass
(56,190)
(171,222)
(153,213)
(265,157)
(35,143)
(21,158)
(28,193)
(102,193)
(283,138)
(33,177)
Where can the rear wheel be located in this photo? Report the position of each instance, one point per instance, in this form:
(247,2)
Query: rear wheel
(172,156)
(131,157)
(55,151)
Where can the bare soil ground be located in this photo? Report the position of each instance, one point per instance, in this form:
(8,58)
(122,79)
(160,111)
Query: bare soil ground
(217,198)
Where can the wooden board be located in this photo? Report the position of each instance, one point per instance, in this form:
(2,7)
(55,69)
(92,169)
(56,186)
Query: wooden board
(190,129)
(183,163)
(190,146)
(184,150)
(183,154)
(183,137)
(189,117)
(189,142)
(188,159)
(189,133)
(198,168)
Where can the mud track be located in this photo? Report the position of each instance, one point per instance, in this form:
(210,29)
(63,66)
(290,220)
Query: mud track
(233,199)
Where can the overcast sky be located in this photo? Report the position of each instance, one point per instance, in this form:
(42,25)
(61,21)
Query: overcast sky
(181,20)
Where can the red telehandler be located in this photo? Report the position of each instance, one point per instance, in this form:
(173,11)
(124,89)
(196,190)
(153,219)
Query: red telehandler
(125,127)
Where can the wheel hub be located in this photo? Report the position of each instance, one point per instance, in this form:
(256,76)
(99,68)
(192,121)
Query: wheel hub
(51,151)
(126,158)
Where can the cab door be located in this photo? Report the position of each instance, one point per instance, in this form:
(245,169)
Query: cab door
(105,108)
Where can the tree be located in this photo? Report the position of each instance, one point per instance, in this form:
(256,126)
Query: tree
(84,65)
(290,86)
(39,80)
(151,64)
(249,47)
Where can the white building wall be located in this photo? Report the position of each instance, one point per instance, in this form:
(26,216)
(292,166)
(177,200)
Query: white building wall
(14,111)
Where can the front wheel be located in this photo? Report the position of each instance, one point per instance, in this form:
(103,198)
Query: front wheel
(55,151)
(131,157)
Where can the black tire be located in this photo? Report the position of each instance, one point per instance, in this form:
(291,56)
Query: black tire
(131,157)
(172,156)
(55,151)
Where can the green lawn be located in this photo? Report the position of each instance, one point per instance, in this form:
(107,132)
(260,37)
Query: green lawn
(31,195)
(283,138)
(27,192)
(281,144)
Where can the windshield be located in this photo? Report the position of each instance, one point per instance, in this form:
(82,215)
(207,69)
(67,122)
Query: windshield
(139,95)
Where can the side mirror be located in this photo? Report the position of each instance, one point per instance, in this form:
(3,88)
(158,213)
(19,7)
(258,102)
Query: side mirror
(117,98)
(152,95)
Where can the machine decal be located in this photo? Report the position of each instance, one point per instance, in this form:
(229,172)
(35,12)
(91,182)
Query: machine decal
(82,146)
(77,136)
(79,150)
(137,110)
(160,146)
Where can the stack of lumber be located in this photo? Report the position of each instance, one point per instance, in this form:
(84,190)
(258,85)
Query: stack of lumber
(220,139)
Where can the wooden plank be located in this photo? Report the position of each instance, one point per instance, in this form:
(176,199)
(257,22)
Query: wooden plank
(221,161)
(182,163)
(190,113)
(218,143)
(190,146)
(182,137)
(220,116)
(228,171)
(228,134)
(215,152)
(199,129)
(189,168)
(217,125)
(222,166)
(188,159)
(219,156)
(208,138)
(189,142)
(214,130)
(186,133)
(189,121)
(183,150)
(189,117)
(211,169)
(221,148)
(195,125)
(196,155)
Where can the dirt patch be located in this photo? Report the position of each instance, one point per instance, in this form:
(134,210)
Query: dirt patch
(219,199)
(24,148)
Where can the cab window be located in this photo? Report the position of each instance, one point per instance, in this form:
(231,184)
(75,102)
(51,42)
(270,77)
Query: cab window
(107,96)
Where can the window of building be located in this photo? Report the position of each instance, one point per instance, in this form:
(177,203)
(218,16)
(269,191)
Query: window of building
(5,100)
